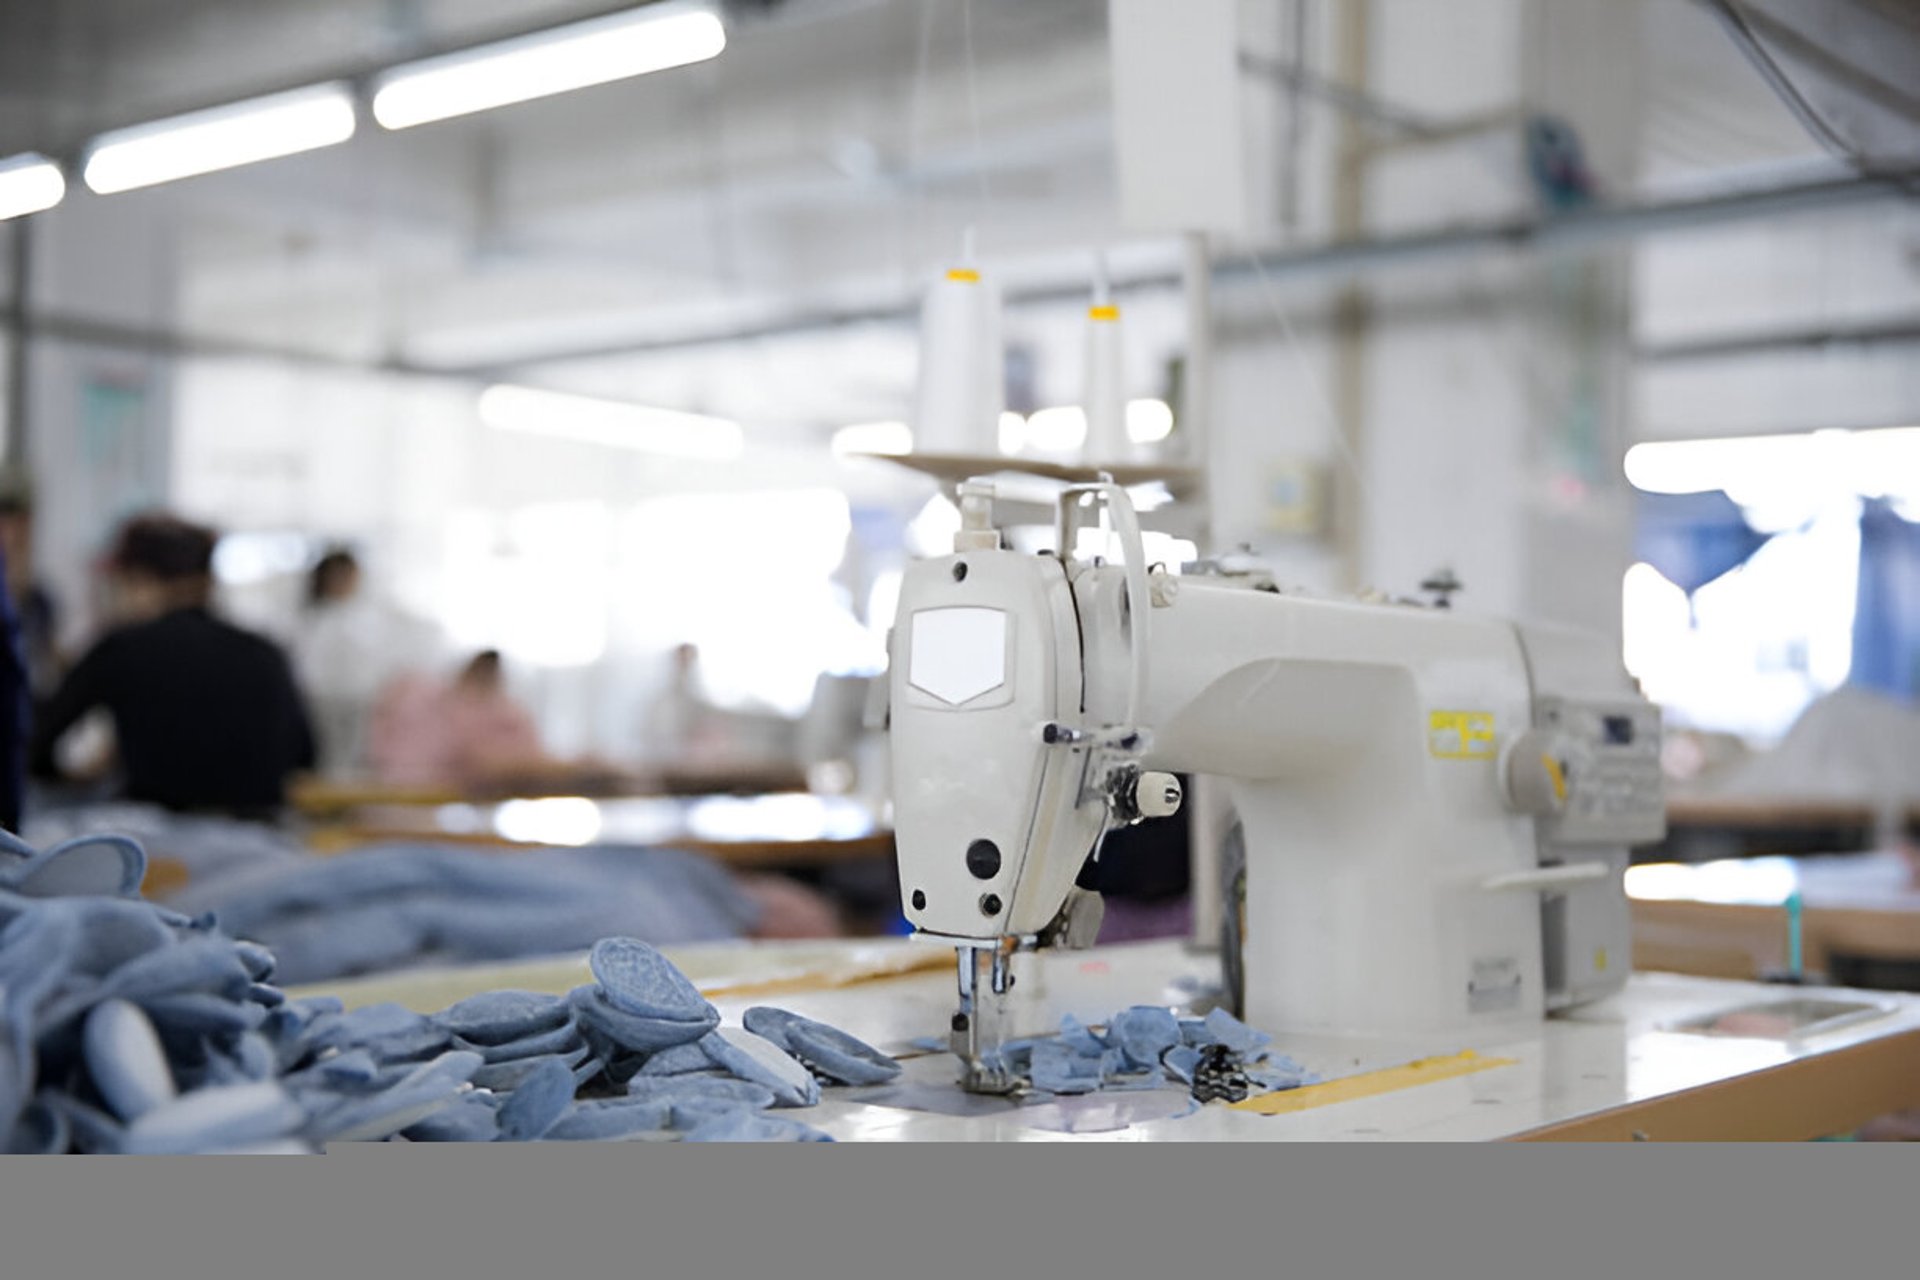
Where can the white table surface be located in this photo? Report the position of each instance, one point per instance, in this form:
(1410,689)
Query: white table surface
(1604,1056)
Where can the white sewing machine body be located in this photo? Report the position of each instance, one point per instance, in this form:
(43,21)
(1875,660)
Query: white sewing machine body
(1437,808)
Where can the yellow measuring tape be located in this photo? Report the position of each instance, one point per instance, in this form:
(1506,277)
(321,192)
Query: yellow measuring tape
(1371,1083)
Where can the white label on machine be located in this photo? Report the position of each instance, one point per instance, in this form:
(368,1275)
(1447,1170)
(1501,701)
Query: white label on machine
(1495,985)
(958,654)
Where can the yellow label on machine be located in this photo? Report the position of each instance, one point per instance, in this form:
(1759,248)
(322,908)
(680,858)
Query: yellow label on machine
(1103,313)
(964,275)
(1370,1084)
(1460,735)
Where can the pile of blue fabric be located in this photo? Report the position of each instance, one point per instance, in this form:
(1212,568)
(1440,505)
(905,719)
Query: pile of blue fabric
(132,1027)
(389,906)
(1144,1047)
(385,907)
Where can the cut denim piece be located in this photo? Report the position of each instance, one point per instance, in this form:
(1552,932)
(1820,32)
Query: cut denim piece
(217,1117)
(745,1126)
(606,1119)
(511,1075)
(561,1039)
(827,1050)
(257,959)
(1143,1033)
(539,1100)
(125,1061)
(195,965)
(472,1117)
(87,866)
(425,1090)
(41,1130)
(390,1032)
(93,1131)
(1235,1034)
(1078,1037)
(1180,1061)
(637,979)
(202,1014)
(496,1017)
(639,1033)
(682,1059)
(1056,1068)
(756,1059)
(727,1090)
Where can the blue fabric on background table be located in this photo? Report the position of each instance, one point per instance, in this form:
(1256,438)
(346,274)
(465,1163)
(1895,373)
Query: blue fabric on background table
(387,906)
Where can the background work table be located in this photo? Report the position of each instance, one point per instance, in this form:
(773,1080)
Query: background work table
(1612,1071)
(1860,917)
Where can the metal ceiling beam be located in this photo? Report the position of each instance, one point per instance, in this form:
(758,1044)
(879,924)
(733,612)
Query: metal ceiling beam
(1546,233)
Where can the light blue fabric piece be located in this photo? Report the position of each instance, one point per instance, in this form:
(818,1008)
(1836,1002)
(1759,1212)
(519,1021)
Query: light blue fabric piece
(351,1067)
(424,1090)
(1056,1068)
(472,1117)
(1078,1037)
(826,1050)
(728,1090)
(197,964)
(561,1039)
(390,1032)
(204,846)
(537,1102)
(748,1062)
(497,1017)
(746,1126)
(92,1131)
(681,1059)
(1181,1062)
(1235,1034)
(125,1060)
(41,1130)
(1280,1073)
(216,1117)
(85,866)
(511,1075)
(203,1014)
(637,979)
(607,1119)
(637,1032)
(1143,1033)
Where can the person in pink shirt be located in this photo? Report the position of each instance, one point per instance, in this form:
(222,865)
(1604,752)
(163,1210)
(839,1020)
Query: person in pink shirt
(469,734)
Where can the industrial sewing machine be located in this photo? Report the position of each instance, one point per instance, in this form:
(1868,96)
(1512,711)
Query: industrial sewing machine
(1437,808)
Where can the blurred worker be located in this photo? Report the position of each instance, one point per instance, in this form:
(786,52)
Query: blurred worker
(682,724)
(340,657)
(33,606)
(206,716)
(469,733)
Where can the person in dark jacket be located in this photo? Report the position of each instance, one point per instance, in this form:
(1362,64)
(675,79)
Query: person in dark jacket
(206,715)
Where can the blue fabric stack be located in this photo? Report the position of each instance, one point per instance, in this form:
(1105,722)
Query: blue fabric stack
(1143,1047)
(130,1027)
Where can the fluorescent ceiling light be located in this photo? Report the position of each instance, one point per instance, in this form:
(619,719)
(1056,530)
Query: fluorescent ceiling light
(652,38)
(1149,421)
(874,437)
(283,124)
(28,184)
(617,423)
(1013,433)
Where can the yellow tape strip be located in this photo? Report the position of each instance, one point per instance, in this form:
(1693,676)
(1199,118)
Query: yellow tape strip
(1103,313)
(1370,1084)
(966,275)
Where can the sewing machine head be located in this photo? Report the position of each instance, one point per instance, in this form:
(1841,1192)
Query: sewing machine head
(1416,806)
